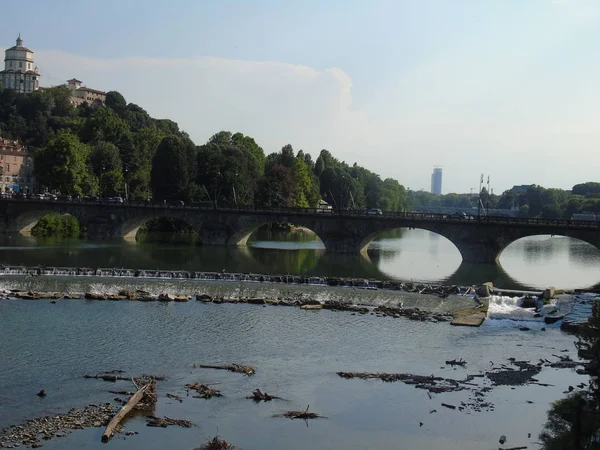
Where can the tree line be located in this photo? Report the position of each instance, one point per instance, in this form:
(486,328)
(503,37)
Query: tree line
(119,150)
(530,201)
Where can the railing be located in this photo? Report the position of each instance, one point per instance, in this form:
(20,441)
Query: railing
(328,213)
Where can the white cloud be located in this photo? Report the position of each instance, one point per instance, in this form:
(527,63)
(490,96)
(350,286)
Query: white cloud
(468,118)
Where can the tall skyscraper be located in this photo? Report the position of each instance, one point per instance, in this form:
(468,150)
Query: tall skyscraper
(436,181)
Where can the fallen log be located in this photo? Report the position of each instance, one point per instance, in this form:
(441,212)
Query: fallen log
(449,406)
(107,376)
(131,403)
(259,396)
(238,368)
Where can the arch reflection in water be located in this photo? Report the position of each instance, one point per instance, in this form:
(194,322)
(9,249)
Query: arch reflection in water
(415,255)
(542,261)
(566,263)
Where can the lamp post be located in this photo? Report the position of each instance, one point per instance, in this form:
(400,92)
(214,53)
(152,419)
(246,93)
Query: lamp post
(233,187)
(102,181)
(126,178)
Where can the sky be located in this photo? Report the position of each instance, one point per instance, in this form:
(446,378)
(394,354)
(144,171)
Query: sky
(505,88)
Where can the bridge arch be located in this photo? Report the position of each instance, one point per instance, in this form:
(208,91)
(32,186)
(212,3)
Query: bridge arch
(366,242)
(128,230)
(241,235)
(26,221)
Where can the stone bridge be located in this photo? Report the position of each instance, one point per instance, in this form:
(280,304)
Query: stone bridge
(478,239)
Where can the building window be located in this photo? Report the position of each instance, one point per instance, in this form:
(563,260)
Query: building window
(20,64)
(10,64)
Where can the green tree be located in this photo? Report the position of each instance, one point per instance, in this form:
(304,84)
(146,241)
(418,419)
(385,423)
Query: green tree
(172,169)
(112,183)
(104,125)
(116,102)
(276,188)
(63,164)
(305,194)
(105,158)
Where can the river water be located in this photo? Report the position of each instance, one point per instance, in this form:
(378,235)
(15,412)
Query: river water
(296,352)
(417,255)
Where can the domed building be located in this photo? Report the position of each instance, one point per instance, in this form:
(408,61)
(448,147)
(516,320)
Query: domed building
(20,73)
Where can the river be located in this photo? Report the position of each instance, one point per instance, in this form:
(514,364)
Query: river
(417,255)
(296,352)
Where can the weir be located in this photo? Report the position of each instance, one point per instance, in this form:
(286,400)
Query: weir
(84,272)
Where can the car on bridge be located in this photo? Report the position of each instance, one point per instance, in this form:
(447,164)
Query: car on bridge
(374,212)
(112,200)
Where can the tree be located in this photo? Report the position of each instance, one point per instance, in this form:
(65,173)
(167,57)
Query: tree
(112,184)
(172,169)
(276,188)
(303,189)
(63,164)
(116,102)
(104,125)
(105,158)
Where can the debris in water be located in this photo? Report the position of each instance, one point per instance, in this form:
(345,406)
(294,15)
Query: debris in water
(238,368)
(301,414)
(216,443)
(203,390)
(164,422)
(258,396)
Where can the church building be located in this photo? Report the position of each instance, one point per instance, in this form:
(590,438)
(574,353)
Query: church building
(20,73)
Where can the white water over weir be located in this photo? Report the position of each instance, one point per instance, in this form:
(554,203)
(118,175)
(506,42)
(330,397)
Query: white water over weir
(206,276)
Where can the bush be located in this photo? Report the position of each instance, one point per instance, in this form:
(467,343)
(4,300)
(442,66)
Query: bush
(54,224)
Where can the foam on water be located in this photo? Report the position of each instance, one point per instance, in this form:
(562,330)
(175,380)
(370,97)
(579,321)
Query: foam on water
(509,309)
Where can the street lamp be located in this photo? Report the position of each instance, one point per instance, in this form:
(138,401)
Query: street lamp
(126,177)
(102,180)
(233,187)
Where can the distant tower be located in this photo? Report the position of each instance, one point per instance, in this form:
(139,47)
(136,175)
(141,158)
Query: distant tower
(436,181)
(19,72)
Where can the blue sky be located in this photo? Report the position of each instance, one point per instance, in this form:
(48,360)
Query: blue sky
(508,88)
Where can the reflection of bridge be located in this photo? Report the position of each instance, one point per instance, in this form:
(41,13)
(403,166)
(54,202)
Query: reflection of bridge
(479,240)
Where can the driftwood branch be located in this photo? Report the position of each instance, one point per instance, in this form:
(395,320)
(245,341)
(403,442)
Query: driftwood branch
(126,409)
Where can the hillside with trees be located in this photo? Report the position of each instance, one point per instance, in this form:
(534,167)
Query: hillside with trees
(118,149)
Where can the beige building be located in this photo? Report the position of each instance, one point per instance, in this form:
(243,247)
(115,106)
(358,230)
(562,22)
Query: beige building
(16,167)
(81,94)
(19,72)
